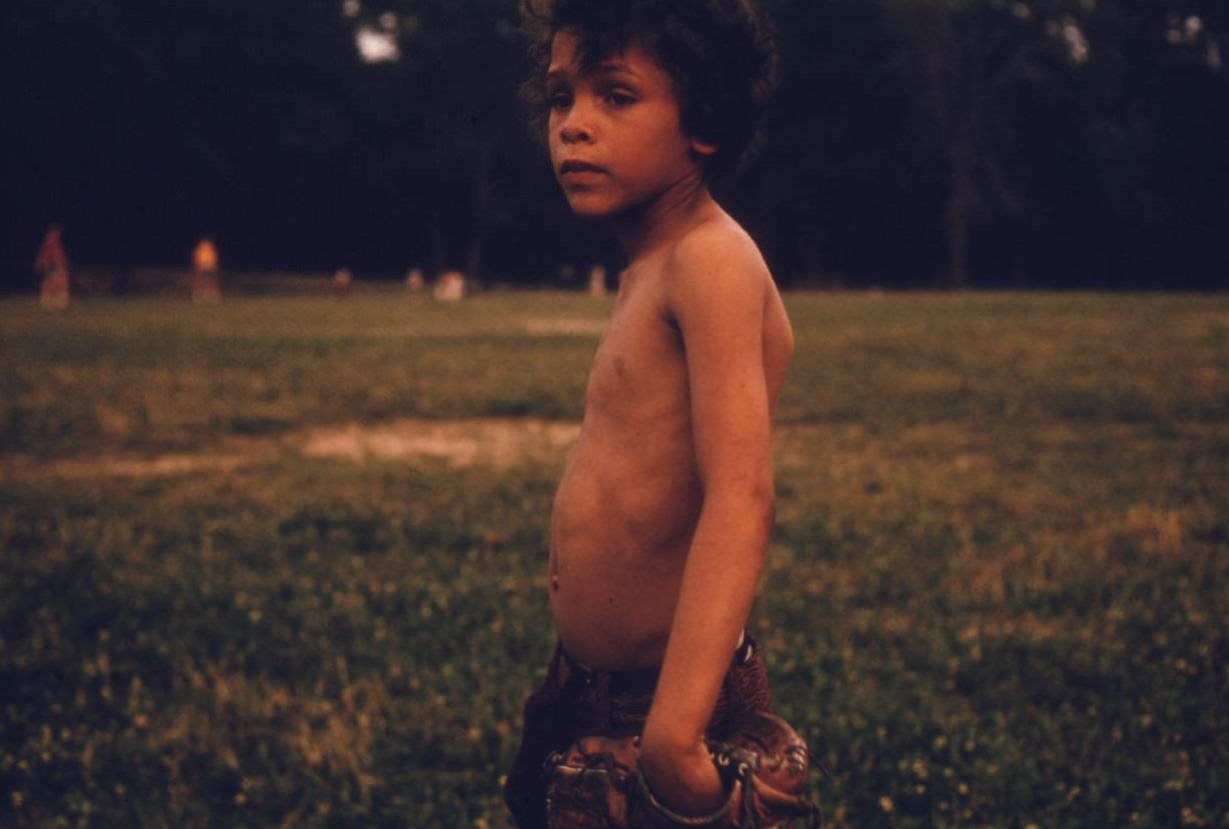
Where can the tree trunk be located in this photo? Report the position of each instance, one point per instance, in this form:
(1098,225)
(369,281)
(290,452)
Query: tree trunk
(959,202)
(483,169)
(473,260)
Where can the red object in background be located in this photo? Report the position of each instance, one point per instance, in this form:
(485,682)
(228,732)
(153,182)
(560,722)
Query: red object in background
(52,265)
(51,256)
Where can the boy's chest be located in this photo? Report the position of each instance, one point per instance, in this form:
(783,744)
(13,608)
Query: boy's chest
(640,354)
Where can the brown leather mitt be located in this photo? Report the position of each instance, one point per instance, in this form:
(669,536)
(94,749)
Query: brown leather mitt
(596,783)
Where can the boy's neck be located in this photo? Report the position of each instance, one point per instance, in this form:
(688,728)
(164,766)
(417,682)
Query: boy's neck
(656,223)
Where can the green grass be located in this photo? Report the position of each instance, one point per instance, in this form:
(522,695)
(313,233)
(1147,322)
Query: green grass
(153,374)
(998,592)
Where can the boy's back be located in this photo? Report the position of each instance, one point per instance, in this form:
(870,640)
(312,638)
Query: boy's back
(626,509)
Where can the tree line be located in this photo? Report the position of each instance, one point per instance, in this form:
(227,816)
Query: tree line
(935,143)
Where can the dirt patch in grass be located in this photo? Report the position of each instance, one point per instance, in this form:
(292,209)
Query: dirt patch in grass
(564,327)
(496,442)
(25,467)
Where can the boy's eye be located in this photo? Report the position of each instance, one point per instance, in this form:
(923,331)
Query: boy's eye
(620,98)
(559,100)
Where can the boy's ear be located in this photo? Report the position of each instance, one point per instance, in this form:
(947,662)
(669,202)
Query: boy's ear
(702,148)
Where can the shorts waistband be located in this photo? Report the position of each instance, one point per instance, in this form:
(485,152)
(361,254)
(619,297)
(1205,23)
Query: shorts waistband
(572,670)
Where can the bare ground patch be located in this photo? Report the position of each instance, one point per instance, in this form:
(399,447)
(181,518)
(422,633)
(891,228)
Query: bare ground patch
(564,327)
(496,442)
(25,467)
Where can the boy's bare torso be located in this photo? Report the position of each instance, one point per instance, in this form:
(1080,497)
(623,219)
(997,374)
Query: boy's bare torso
(627,506)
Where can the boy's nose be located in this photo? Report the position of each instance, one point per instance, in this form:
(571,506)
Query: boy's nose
(574,130)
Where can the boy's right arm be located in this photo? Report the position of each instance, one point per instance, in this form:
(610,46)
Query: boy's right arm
(717,298)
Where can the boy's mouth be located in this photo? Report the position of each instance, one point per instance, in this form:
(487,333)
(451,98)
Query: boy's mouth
(578,167)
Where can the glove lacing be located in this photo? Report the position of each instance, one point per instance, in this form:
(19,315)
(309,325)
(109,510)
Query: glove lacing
(736,765)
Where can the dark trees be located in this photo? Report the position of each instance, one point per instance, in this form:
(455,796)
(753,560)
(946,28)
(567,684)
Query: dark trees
(913,142)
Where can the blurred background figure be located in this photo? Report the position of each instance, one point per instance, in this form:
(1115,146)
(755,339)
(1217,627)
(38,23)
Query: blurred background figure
(414,281)
(597,280)
(341,283)
(450,287)
(52,267)
(205,286)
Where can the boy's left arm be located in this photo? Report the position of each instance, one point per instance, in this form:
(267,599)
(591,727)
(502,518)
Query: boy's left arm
(718,302)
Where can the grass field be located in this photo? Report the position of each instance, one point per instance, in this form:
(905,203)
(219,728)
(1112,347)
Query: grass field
(280,562)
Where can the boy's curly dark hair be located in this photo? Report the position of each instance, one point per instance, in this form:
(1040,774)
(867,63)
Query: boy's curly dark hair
(720,53)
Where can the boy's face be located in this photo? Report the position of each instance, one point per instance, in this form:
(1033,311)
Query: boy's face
(615,136)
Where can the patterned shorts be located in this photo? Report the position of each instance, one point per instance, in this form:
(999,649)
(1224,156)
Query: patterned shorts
(574,701)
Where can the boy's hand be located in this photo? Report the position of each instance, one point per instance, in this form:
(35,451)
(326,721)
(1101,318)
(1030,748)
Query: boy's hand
(684,779)
(600,782)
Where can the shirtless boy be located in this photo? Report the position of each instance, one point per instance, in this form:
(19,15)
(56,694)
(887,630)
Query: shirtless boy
(661,522)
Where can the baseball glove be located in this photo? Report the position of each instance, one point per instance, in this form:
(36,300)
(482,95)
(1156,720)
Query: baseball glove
(596,783)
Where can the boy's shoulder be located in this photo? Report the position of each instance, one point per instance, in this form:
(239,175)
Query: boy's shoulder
(719,258)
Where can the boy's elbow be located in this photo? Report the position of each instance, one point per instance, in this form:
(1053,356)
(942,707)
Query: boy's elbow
(754,498)
(764,503)
(761,498)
